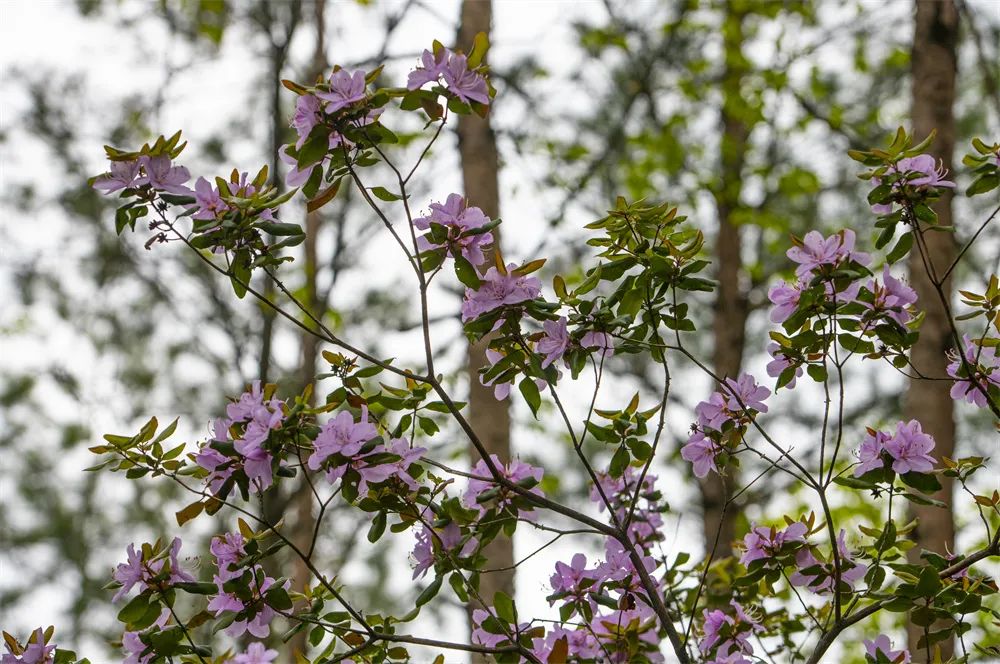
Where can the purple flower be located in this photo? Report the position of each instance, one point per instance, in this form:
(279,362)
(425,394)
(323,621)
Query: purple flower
(217,464)
(817,252)
(785,299)
(892,296)
(342,435)
(375,474)
(465,84)
(870,452)
(259,614)
(733,403)
(430,70)
(930,173)
(162,176)
(133,645)
(256,653)
(985,365)
(821,580)
(909,449)
(763,543)
(701,451)
(36,651)
(554,342)
(516,472)
(210,203)
(228,549)
(884,645)
(600,340)
(456,215)
(726,633)
(446,540)
(308,114)
(345,89)
(781,361)
(567,578)
(484,638)
(137,571)
(497,290)
(121,176)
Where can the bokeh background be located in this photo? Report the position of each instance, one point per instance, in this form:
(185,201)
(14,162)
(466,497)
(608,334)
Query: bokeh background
(595,99)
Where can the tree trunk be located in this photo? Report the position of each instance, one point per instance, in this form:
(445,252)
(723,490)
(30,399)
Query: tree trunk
(489,417)
(934,64)
(731,307)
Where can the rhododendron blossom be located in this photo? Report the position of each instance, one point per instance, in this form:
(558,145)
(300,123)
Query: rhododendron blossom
(136,571)
(763,543)
(909,449)
(458,218)
(985,364)
(122,175)
(817,253)
(346,88)
(892,298)
(516,471)
(499,289)
(554,342)
(883,645)
(160,174)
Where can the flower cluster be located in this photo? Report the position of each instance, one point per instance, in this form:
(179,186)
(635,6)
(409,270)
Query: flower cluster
(727,410)
(819,575)
(241,590)
(239,442)
(985,365)
(137,651)
(484,494)
(499,289)
(348,448)
(157,172)
(818,256)
(641,508)
(437,543)
(906,451)
(767,543)
(444,66)
(728,635)
(145,570)
(891,298)
(462,229)
(921,172)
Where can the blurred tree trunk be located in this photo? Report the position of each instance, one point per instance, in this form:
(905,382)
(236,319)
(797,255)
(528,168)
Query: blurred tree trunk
(489,417)
(934,63)
(731,306)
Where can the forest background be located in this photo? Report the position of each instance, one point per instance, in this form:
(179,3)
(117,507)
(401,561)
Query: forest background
(740,112)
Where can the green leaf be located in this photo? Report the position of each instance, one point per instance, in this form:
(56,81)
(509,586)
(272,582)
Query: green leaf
(384,194)
(466,273)
(279,228)
(189,512)
(929,583)
(619,462)
(480,46)
(429,592)
(531,395)
(504,607)
(901,249)
(134,610)
(377,528)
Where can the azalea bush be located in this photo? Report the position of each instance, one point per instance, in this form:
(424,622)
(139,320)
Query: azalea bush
(370,442)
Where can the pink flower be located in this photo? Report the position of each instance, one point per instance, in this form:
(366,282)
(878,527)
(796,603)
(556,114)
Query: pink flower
(256,653)
(817,252)
(516,472)
(456,215)
(122,176)
(133,645)
(342,435)
(430,70)
(821,580)
(884,645)
(785,299)
(734,403)
(892,296)
(930,173)
(779,362)
(162,176)
(137,571)
(219,466)
(762,543)
(36,651)
(726,633)
(484,638)
(870,452)
(445,540)
(465,84)
(909,449)
(345,89)
(600,340)
(985,365)
(378,473)
(210,203)
(554,342)
(308,114)
(701,451)
(228,549)
(259,614)
(567,578)
(498,290)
